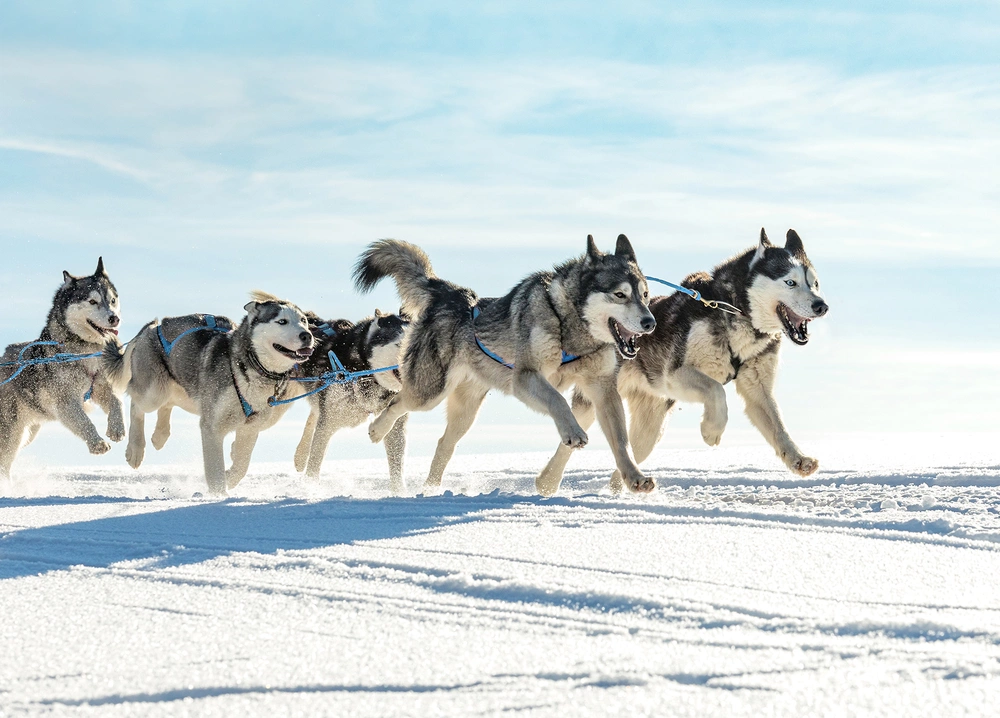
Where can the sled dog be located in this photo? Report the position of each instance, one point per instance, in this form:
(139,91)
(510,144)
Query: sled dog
(552,331)
(372,343)
(225,375)
(84,316)
(695,350)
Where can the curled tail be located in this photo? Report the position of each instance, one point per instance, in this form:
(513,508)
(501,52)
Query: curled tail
(117,362)
(406,263)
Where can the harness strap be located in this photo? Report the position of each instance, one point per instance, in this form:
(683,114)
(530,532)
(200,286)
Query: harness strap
(566,356)
(209,325)
(696,295)
(247,409)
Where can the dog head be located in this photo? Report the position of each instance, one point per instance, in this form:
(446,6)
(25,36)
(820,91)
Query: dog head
(279,332)
(89,305)
(784,289)
(383,344)
(616,305)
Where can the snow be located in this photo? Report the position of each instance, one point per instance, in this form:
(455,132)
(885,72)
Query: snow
(736,589)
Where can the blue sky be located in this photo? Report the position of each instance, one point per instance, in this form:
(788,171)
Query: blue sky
(208,148)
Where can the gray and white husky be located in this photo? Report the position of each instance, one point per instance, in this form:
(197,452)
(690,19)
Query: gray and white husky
(84,316)
(226,376)
(553,330)
(695,350)
(372,343)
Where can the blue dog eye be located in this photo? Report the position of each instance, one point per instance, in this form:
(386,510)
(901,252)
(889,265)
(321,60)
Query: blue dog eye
(790,282)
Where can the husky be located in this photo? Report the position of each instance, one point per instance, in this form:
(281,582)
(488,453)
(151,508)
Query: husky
(695,350)
(84,316)
(552,331)
(372,343)
(228,376)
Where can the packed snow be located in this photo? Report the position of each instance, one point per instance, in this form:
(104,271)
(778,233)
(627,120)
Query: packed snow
(736,589)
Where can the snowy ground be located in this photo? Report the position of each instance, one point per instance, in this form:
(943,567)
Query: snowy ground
(872,588)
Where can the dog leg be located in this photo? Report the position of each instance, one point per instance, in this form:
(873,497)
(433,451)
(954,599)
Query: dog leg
(324,427)
(74,418)
(32,433)
(547,483)
(214,457)
(162,431)
(755,383)
(395,452)
(105,398)
(689,384)
(135,450)
(302,450)
(463,406)
(538,394)
(603,392)
(241,452)
(387,419)
(647,414)
(11,434)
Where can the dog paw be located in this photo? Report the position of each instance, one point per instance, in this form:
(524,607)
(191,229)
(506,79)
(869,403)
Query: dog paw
(639,484)
(574,438)
(804,465)
(712,432)
(134,455)
(616,485)
(99,447)
(378,429)
(116,431)
(159,439)
(301,459)
(233,478)
(547,485)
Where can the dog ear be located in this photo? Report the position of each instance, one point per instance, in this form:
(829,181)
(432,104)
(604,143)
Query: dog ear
(624,248)
(592,251)
(99,272)
(67,278)
(251,308)
(378,313)
(793,243)
(763,245)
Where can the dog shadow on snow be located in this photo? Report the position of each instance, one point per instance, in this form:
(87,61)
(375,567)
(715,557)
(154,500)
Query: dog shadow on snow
(198,532)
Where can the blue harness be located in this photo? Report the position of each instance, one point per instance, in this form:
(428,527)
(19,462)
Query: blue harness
(21,363)
(338,373)
(566,356)
(209,326)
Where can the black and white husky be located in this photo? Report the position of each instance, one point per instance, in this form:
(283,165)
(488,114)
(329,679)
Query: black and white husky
(225,375)
(372,343)
(695,350)
(553,330)
(84,316)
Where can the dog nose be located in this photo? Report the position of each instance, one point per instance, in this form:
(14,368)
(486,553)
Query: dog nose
(113,320)
(820,308)
(648,324)
(306,337)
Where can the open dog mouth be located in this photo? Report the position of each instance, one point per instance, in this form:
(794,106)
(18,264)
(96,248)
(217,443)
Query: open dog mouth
(399,377)
(624,339)
(103,331)
(303,353)
(796,327)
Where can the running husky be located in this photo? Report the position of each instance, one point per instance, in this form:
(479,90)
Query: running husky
(226,376)
(372,343)
(552,331)
(83,317)
(695,350)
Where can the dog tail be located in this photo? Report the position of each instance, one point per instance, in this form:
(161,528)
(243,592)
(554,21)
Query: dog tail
(117,361)
(406,263)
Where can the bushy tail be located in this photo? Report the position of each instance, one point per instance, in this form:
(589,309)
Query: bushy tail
(116,360)
(406,263)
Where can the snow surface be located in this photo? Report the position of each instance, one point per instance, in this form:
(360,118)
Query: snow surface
(736,589)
